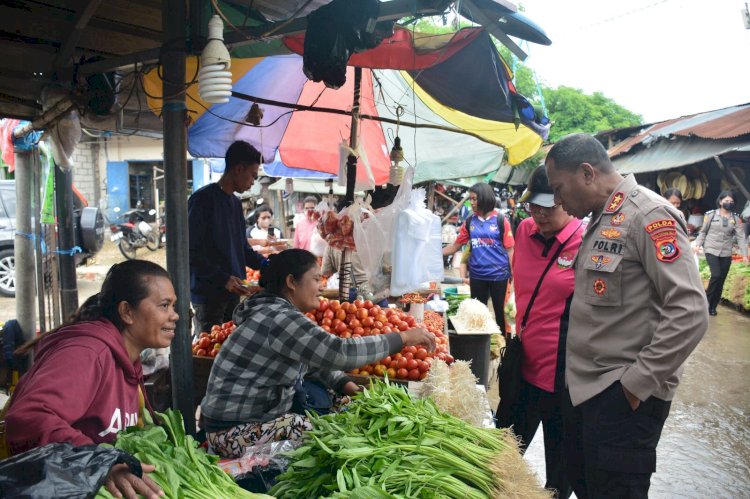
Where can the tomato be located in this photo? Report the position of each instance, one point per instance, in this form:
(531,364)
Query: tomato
(379,370)
(374,331)
(334,305)
(358,303)
(325,322)
(227,324)
(393,364)
(382,318)
(394,319)
(326,328)
(329,314)
(346,334)
(387,329)
(354,323)
(375,310)
(221,337)
(412,364)
(410,349)
(203,335)
(213,352)
(311,316)
(204,342)
(423,366)
(354,371)
(340,328)
(362,314)
(358,331)
(397,356)
(423,375)
(414,374)
(367,304)
(368,322)
(378,324)
(201,352)
(386,360)
(421,354)
(408,356)
(391,373)
(365,371)
(403,326)
(403,362)
(402,373)
(448,358)
(324,305)
(340,314)
(215,328)
(411,321)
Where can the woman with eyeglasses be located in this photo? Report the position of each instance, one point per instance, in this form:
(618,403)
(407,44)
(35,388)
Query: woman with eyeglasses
(716,239)
(491,245)
(546,245)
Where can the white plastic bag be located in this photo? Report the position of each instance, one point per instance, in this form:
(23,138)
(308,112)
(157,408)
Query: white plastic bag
(317,244)
(374,234)
(417,247)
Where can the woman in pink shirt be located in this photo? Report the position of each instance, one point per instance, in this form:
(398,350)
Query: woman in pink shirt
(546,245)
(305,227)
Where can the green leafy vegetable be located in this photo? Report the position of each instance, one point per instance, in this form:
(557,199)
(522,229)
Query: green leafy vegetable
(182,469)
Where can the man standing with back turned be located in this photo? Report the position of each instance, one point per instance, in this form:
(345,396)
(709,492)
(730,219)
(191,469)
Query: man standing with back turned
(219,250)
(638,311)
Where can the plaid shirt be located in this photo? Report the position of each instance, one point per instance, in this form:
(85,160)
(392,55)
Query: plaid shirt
(253,377)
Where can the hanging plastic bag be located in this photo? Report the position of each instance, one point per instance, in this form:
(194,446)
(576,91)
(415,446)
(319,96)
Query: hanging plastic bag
(418,239)
(61,470)
(335,228)
(317,244)
(374,234)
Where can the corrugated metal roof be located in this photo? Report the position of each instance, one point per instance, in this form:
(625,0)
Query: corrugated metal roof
(677,152)
(720,124)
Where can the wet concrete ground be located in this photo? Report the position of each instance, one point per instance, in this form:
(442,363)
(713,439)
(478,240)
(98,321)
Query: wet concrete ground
(704,450)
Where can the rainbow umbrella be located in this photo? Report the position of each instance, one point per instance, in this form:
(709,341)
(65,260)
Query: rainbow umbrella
(450,98)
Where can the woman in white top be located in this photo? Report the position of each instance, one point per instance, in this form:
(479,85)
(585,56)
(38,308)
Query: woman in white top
(263,236)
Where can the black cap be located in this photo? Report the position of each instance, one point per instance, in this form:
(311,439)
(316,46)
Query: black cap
(538,191)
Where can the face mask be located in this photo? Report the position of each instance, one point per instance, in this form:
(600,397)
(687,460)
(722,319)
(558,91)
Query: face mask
(729,206)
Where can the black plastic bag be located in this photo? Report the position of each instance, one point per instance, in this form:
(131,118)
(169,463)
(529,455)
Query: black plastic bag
(509,380)
(336,31)
(61,471)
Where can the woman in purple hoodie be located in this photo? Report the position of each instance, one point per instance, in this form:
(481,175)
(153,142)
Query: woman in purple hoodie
(86,383)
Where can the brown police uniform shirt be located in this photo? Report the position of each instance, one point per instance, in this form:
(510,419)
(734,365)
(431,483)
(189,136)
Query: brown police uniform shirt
(639,308)
(719,234)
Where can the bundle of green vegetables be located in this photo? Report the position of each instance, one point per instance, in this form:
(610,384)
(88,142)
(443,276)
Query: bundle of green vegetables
(388,445)
(182,469)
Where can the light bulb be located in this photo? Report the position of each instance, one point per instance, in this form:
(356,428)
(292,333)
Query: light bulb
(214,79)
(396,172)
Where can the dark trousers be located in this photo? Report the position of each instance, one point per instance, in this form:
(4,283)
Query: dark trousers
(719,266)
(617,447)
(537,406)
(483,290)
(214,312)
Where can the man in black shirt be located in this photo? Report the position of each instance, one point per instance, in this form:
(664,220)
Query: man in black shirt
(219,250)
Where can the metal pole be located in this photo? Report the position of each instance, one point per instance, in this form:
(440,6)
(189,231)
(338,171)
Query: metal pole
(36,173)
(66,241)
(24,247)
(351,161)
(174,112)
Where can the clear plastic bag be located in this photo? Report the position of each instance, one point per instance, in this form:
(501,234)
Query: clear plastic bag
(374,234)
(419,240)
(258,468)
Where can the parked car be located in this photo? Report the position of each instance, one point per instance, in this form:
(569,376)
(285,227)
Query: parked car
(89,233)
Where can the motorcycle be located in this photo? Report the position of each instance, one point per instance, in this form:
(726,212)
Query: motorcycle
(135,233)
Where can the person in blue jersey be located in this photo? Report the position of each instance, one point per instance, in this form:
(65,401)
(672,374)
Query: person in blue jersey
(491,241)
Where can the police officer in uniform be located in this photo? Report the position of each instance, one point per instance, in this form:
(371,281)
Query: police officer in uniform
(638,311)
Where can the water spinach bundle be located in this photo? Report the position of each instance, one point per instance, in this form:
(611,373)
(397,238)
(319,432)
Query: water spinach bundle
(387,445)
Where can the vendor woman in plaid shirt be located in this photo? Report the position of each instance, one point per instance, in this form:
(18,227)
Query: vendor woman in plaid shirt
(252,383)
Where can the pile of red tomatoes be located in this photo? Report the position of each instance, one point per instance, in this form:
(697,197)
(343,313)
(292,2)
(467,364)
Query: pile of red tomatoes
(208,344)
(363,318)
